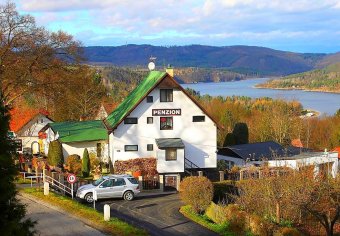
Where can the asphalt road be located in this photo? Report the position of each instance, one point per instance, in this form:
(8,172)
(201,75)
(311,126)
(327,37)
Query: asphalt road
(159,215)
(51,222)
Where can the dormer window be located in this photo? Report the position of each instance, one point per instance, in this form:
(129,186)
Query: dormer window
(166,95)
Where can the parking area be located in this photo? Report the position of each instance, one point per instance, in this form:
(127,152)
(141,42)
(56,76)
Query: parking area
(158,214)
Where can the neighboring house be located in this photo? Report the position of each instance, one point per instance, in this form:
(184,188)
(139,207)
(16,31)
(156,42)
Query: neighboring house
(26,124)
(277,156)
(160,119)
(323,162)
(252,153)
(76,136)
(104,110)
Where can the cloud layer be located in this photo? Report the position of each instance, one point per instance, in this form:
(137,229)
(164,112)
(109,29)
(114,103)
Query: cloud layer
(296,25)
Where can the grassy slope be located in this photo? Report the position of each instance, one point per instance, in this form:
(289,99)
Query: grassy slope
(113,227)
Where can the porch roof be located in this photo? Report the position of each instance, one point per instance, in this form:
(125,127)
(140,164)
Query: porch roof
(169,143)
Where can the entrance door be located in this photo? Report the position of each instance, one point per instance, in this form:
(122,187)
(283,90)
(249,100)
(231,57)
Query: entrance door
(170,183)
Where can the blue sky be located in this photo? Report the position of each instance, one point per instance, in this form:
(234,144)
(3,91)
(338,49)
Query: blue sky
(292,25)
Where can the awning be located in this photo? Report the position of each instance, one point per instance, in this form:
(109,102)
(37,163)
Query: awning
(169,143)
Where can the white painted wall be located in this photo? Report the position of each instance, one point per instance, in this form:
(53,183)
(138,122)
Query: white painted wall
(79,147)
(164,166)
(330,158)
(199,138)
(30,132)
(238,161)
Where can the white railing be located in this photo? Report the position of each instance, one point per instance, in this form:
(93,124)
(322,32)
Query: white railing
(59,185)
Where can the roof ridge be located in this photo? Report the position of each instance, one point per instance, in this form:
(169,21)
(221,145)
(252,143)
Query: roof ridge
(133,99)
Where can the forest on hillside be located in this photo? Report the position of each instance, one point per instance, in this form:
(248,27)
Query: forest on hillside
(325,80)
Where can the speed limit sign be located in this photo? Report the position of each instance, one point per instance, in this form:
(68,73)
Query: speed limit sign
(71,178)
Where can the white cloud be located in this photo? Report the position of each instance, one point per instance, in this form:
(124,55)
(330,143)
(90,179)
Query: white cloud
(207,21)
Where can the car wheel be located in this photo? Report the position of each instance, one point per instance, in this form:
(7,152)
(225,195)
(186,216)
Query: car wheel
(128,195)
(89,197)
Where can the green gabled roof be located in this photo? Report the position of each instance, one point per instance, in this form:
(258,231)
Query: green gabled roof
(133,99)
(80,131)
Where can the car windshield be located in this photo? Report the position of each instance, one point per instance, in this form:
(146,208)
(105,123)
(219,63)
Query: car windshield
(98,181)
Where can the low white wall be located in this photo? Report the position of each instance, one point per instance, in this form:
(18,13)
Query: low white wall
(79,147)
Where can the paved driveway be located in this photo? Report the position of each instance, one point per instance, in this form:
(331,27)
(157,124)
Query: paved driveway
(53,223)
(159,215)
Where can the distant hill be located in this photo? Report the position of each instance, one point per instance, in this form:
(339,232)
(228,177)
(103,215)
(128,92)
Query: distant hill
(247,60)
(326,79)
(328,60)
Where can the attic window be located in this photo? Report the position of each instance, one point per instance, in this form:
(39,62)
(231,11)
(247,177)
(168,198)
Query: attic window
(198,118)
(149,99)
(166,95)
(131,120)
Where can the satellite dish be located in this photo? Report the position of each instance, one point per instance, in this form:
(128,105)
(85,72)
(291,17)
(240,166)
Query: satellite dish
(151,65)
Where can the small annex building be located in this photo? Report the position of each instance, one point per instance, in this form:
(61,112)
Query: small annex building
(24,127)
(276,155)
(78,135)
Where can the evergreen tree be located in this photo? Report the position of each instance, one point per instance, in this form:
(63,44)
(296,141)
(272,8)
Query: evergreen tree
(229,140)
(241,133)
(55,154)
(86,163)
(11,210)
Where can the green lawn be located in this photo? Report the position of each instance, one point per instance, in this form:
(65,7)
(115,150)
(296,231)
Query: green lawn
(113,227)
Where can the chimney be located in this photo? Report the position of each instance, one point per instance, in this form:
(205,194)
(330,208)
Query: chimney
(170,70)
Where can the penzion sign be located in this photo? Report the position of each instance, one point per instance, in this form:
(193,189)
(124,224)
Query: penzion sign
(166,112)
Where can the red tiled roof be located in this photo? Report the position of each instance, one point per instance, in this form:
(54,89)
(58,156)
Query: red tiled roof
(337,149)
(20,117)
(109,107)
(297,143)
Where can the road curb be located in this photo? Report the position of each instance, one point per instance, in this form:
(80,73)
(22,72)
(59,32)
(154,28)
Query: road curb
(84,220)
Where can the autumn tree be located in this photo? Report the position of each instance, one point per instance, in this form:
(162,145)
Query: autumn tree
(294,196)
(31,58)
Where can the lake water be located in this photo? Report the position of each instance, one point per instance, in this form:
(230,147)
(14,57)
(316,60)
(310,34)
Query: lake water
(327,103)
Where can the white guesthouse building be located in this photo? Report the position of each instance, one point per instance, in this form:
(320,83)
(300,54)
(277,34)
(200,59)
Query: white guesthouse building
(158,119)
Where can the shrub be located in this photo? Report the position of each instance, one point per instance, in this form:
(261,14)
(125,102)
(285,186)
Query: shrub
(85,169)
(94,161)
(224,191)
(55,154)
(236,218)
(216,213)
(286,231)
(73,164)
(258,226)
(197,191)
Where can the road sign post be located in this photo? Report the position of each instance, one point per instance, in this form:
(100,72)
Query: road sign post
(71,178)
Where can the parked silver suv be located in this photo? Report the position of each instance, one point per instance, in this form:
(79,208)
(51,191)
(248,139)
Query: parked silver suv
(110,186)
